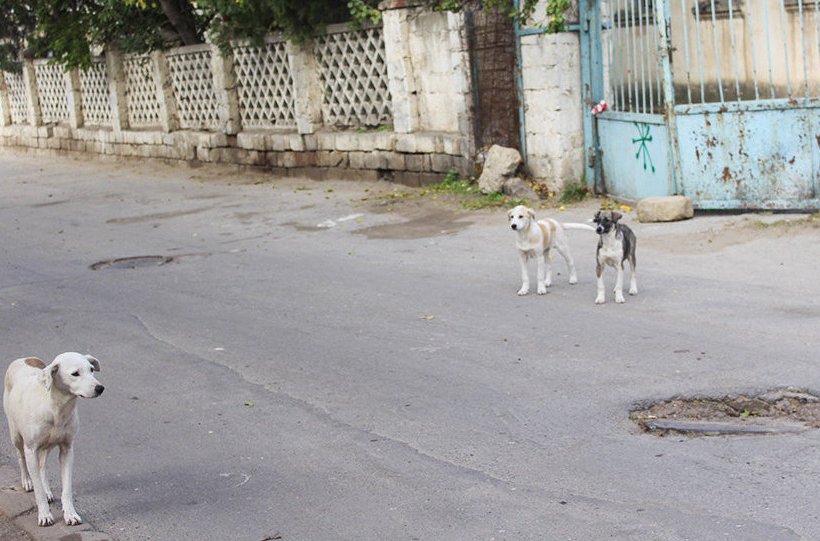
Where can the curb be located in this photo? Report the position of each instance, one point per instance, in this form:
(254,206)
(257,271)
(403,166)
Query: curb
(19,509)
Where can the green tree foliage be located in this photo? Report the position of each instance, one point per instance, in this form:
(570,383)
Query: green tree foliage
(68,31)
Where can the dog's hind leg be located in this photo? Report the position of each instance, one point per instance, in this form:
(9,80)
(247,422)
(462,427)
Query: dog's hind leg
(44,516)
(25,478)
(565,253)
(544,272)
(42,458)
(66,470)
(633,281)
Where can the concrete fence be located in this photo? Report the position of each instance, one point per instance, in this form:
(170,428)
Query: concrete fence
(390,101)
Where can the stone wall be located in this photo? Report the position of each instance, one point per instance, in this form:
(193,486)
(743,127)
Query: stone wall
(551,74)
(390,101)
(393,101)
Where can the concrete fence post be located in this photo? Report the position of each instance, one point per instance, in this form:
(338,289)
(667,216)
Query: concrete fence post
(225,88)
(401,79)
(5,103)
(35,115)
(307,88)
(73,98)
(117,90)
(168,118)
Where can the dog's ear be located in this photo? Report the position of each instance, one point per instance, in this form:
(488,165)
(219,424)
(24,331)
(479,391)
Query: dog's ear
(531,213)
(47,376)
(616,215)
(597,217)
(510,214)
(94,363)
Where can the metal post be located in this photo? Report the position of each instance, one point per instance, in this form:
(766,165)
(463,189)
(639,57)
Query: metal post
(662,19)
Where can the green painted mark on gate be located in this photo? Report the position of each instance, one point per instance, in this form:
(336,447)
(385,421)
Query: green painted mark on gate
(643,150)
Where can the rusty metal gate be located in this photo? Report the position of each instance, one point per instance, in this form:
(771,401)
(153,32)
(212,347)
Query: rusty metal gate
(716,99)
(491,39)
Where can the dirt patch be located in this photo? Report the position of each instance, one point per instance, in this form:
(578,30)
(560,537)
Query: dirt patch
(773,412)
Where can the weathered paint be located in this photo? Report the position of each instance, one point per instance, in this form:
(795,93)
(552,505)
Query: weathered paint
(634,153)
(752,153)
(750,157)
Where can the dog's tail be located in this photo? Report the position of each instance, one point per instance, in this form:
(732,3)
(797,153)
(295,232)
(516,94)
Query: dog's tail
(571,225)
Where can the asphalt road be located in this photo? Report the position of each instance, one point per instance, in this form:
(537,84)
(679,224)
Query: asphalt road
(378,378)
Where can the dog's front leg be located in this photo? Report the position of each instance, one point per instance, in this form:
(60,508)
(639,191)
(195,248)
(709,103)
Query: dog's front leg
(525,277)
(42,457)
(619,284)
(599,272)
(544,273)
(67,473)
(44,517)
(633,280)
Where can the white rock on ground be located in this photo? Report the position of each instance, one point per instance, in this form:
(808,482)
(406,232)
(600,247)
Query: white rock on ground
(665,208)
(500,164)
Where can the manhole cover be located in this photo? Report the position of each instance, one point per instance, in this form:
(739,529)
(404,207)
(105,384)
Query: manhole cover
(779,411)
(132,262)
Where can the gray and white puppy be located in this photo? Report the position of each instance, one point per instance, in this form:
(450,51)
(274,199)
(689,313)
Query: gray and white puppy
(616,244)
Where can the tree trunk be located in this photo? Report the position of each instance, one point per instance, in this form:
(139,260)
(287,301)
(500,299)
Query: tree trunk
(180,13)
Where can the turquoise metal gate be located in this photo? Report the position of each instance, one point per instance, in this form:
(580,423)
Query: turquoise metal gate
(716,99)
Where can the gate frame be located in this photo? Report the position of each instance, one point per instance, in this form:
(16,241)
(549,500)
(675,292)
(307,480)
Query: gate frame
(592,72)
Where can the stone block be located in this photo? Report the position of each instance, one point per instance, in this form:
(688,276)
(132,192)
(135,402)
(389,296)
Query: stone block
(665,209)
(500,164)
(252,141)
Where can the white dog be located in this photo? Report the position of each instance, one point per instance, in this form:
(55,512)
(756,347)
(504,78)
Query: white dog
(41,406)
(536,239)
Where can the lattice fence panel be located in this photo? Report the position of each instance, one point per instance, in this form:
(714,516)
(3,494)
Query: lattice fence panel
(18,101)
(94,90)
(143,102)
(193,81)
(51,89)
(354,76)
(264,85)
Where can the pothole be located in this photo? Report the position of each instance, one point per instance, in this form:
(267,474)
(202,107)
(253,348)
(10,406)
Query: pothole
(778,411)
(134,262)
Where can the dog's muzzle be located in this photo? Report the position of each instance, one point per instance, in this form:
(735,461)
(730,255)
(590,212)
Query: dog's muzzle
(98,390)
(514,226)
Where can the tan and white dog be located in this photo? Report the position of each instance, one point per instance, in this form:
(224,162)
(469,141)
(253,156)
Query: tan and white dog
(535,239)
(40,402)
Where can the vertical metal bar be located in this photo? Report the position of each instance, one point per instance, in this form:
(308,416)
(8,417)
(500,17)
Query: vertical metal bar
(623,53)
(803,50)
(750,39)
(734,49)
(649,53)
(685,17)
(634,31)
(656,57)
(661,18)
(611,65)
(519,86)
(768,46)
(717,51)
(616,37)
(817,24)
(785,48)
(628,63)
(699,42)
(642,57)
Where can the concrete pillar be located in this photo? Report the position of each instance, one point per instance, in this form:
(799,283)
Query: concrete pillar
(168,118)
(35,115)
(74,98)
(5,103)
(307,88)
(117,90)
(401,79)
(225,90)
